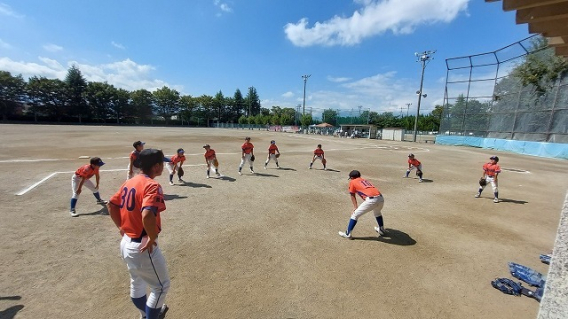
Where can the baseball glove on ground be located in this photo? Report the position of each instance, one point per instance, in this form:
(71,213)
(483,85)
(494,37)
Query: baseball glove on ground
(482,181)
(252,158)
(278,155)
(180,172)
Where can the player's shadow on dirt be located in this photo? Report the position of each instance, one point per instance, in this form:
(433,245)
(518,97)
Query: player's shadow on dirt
(102,211)
(505,200)
(425,180)
(11,312)
(226,178)
(265,175)
(196,185)
(286,169)
(392,236)
(172,197)
(329,170)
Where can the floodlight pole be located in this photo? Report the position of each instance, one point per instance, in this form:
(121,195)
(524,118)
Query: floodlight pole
(305,77)
(423,58)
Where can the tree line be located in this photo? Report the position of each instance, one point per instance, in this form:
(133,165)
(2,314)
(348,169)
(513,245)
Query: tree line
(75,100)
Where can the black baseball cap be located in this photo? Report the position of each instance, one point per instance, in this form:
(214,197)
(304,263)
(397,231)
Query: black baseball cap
(138,143)
(206,146)
(354,174)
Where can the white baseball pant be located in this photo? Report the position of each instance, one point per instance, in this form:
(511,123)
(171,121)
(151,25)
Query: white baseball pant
(76,180)
(374,204)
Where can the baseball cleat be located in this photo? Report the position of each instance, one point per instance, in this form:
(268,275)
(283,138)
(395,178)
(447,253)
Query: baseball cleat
(162,314)
(252,172)
(171,183)
(380,231)
(181,180)
(420,181)
(345,235)
(207,176)
(477,195)
(101,202)
(73,213)
(496,200)
(240,173)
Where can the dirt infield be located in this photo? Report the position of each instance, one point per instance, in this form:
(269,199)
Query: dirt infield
(266,245)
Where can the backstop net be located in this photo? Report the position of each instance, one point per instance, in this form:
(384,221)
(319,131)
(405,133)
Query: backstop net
(484,98)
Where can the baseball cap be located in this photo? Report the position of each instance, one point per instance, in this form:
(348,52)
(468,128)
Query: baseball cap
(273,142)
(138,143)
(97,161)
(354,174)
(180,150)
(206,146)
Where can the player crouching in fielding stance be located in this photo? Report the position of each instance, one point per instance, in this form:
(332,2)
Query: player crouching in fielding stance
(490,172)
(134,164)
(247,154)
(175,164)
(82,178)
(135,209)
(412,164)
(273,153)
(211,160)
(372,201)
(319,154)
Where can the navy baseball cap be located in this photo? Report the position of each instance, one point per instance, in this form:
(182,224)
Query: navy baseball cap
(138,143)
(97,161)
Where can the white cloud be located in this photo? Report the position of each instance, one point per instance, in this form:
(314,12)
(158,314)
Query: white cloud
(5,45)
(125,74)
(223,6)
(288,95)
(338,79)
(7,11)
(117,45)
(374,18)
(52,48)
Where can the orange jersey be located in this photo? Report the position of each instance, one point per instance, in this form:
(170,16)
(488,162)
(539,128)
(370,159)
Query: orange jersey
(135,194)
(177,159)
(272,149)
(134,158)
(87,171)
(247,147)
(414,162)
(210,154)
(491,169)
(318,152)
(363,188)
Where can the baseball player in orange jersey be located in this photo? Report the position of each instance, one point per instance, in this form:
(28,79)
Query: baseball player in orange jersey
(134,164)
(372,201)
(413,163)
(175,164)
(319,154)
(82,178)
(490,172)
(247,151)
(135,209)
(272,151)
(211,160)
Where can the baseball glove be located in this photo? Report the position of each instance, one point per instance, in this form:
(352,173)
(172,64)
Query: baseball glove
(482,181)
(507,286)
(216,163)
(180,172)
(252,158)
(278,155)
(324,161)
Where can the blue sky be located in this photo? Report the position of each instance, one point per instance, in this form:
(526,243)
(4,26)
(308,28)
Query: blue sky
(358,53)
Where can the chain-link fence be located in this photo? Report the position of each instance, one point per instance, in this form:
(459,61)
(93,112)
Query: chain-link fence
(483,99)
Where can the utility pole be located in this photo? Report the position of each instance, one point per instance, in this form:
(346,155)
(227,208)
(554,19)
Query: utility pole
(305,77)
(407,107)
(401,111)
(423,58)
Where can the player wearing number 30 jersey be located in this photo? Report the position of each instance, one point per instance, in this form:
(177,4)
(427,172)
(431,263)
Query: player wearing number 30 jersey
(135,209)
(372,201)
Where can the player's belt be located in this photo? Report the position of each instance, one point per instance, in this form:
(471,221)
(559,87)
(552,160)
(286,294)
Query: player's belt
(373,197)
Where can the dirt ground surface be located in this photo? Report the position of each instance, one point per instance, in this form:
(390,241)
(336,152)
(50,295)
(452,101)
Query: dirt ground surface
(266,245)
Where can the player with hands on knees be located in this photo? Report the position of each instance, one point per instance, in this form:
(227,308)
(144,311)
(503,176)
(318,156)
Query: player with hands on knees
(174,165)
(81,178)
(413,163)
(211,160)
(136,211)
(134,164)
(247,154)
(372,201)
(273,153)
(490,172)
(319,154)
